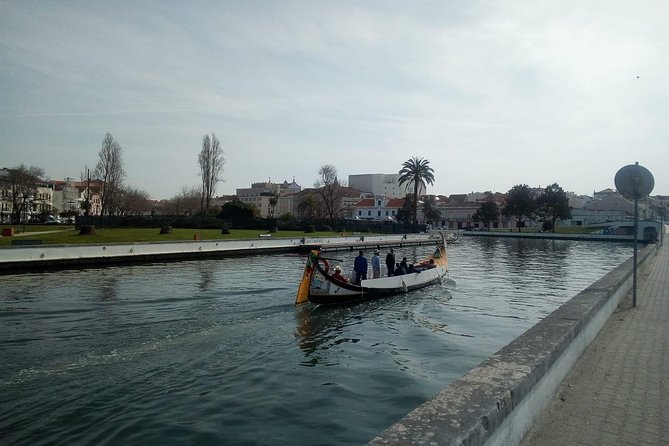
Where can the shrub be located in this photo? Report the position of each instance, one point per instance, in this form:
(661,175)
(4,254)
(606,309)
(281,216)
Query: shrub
(310,228)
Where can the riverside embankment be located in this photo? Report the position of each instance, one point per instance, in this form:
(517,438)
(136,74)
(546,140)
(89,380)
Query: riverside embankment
(497,402)
(40,257)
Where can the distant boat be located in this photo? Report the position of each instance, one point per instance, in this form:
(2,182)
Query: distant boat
(318,285)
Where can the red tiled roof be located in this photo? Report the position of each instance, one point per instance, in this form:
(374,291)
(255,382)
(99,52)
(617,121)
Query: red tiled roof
(365,202)
(395,203)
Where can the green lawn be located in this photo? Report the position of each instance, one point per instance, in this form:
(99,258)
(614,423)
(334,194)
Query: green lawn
(65,235)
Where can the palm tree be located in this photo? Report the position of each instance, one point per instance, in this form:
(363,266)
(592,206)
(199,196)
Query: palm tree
(417,172)
(273,201)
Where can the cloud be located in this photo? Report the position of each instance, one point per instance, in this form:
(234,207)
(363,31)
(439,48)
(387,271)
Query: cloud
(494,93)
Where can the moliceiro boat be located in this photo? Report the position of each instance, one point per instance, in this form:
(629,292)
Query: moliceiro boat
(320,286)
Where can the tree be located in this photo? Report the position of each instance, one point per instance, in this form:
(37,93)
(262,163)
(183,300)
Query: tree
(488,211)
(331,192)
(417,172)
(273,201)
(553,205)
(520,204)
(236,211)
(211,167)
(430,211)
(86,203)
(405,213)
(308,205)
(132,201)
(22,183)
(186,202)
(110,172)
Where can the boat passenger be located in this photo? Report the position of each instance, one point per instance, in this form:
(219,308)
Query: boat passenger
(404,265)
(390,262)
(338,275)
(376,265)
(426,265)
(360,268)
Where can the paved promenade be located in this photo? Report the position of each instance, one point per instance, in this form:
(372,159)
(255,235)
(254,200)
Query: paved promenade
(618,391)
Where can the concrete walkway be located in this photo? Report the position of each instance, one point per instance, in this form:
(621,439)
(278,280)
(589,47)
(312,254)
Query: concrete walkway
(618,391)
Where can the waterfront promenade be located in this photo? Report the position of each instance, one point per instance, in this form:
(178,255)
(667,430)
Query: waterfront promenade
(618,391)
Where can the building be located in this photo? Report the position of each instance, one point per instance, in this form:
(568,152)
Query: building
(70,196)
(33,206)
(266,197)
(378,184)
(378,208)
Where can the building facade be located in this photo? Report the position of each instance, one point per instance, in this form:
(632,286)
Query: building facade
(378,184)
(263,196)
(378,208)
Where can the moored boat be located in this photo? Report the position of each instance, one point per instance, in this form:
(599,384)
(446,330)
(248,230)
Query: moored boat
(319,285)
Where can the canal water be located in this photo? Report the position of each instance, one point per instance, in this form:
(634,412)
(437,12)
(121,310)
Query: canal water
(214,352)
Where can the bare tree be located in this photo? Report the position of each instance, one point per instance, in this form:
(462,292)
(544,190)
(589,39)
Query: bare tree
(110,172)
(132,201)
(186,202)
(331,192)
(211,167)
(22,183)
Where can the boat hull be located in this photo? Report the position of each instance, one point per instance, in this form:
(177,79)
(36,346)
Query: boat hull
(325,291)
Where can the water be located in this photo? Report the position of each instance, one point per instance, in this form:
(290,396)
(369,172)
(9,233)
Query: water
(215,352)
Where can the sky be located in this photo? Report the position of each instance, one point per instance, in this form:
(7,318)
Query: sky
(492,93)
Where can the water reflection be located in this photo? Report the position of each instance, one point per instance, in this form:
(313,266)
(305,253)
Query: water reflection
(206,270)
(321,328)
(108,288)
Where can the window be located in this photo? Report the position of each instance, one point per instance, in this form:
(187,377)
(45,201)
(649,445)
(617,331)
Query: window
(369,213)
(378,203)
(386,213)
(378,214)
(360,213)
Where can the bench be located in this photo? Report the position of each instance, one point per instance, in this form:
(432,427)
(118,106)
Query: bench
(264,235)
(26,242)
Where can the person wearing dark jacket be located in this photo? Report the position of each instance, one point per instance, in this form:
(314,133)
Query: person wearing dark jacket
(360,268)
(404,267)
(390,262)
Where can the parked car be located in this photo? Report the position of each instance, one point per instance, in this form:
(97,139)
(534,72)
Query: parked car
(51,220)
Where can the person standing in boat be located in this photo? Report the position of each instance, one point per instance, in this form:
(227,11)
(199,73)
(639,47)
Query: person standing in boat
(360,268)
(390,262)
(376,265)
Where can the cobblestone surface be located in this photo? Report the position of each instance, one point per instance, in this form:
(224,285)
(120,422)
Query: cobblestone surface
(617,393)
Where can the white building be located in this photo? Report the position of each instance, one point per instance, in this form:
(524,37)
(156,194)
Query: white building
(386,185)
(379,208)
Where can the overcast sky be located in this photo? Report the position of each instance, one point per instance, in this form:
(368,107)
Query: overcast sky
(492,93)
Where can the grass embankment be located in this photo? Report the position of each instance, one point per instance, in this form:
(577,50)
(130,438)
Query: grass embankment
(68,235)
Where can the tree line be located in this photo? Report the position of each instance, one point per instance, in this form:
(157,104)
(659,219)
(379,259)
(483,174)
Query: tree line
(20,185)
(523,204)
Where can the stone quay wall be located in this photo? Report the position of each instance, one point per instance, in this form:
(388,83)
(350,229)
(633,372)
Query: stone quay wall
(498,401)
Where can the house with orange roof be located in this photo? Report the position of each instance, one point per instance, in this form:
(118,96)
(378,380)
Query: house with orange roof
(378,208)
